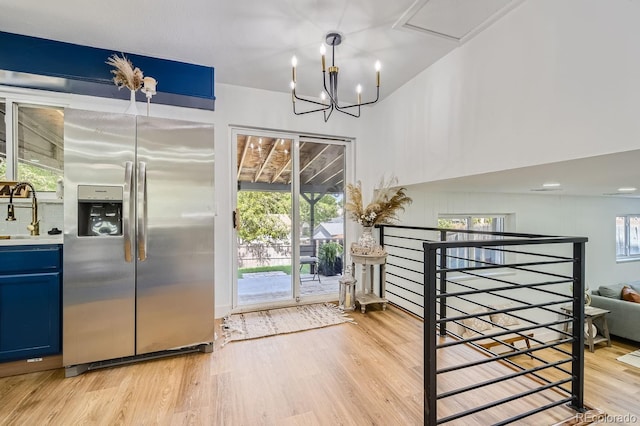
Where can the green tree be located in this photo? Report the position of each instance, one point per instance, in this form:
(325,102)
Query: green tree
(261,216)
(326,208)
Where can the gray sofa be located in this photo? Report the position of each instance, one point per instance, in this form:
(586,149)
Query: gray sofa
(624,319)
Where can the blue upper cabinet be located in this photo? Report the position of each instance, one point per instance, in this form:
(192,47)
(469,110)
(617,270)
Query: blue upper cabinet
(64,67)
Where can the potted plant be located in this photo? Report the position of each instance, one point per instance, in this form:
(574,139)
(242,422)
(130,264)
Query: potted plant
(330,262)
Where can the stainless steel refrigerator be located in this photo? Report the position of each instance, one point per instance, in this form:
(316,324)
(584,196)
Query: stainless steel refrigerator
(138,238)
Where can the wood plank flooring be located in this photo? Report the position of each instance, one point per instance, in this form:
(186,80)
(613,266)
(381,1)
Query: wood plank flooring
(369,373)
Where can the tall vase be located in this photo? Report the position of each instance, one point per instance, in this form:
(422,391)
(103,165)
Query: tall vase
(366,239)
(132,109)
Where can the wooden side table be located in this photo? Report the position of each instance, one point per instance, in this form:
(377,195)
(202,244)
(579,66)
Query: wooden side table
(367,296)
(592,313)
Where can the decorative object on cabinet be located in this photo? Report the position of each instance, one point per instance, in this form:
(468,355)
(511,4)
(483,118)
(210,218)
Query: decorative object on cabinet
(388,200)
(125,75)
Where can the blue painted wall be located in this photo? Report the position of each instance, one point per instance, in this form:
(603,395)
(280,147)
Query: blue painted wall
(82,70)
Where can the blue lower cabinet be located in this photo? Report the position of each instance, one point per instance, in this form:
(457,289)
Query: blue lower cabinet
(30,310)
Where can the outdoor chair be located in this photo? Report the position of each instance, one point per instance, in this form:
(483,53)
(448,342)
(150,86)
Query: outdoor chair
(307,258)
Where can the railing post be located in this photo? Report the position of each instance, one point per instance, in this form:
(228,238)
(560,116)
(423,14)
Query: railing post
(443,284)
(430,389)
(577,366)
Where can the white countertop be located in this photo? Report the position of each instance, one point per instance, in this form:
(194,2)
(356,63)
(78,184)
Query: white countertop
(28,240)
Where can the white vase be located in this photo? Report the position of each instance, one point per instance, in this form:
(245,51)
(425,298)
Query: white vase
(366,239)
(132,109)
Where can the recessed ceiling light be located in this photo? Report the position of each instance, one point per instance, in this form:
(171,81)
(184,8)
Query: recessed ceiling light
(551,185)
(627,189)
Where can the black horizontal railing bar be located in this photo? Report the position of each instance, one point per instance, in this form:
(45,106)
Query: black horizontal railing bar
(517,308)
(404,258)
(531,354)
(404,298)
(465,231)
(518,266)
(404,278)
(500,357)
(407,269)
(520,308)
(502,401)
(404,237)
(435,245)
(516,285)
(404,288)
(404,267)
(501,249)
(534,411)
(529,253)
(400,247)
(500,379)
(504,332)
(512,287)
(533,325)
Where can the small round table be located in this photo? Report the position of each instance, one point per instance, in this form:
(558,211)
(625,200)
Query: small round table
(367,296)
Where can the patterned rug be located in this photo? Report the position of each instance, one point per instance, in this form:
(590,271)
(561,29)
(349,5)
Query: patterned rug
(252,325)
(632,359)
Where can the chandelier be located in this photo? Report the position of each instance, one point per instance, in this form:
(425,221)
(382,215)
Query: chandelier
(329,95)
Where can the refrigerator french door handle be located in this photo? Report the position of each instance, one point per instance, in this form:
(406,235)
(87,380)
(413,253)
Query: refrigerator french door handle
(142,211)
(127,207)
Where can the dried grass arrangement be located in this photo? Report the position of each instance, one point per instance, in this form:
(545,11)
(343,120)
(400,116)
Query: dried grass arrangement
(387,202)
(124,74)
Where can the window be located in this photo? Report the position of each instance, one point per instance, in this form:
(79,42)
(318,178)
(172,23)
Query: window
(3,143)
(36,152)
(464,257)
(627,237)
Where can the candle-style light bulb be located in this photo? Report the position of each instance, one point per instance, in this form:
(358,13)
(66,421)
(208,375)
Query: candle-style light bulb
(323,96)
(292,85)
(359,92)
(294,63)
(323,50)
(377,73)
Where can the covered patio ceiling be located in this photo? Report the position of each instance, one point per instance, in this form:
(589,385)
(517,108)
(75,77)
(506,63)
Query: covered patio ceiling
(265,164)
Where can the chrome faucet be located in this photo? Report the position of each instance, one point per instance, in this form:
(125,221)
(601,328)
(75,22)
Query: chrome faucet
(34,226)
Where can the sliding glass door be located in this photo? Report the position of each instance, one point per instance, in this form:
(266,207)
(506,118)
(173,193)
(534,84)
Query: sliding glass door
(289,220)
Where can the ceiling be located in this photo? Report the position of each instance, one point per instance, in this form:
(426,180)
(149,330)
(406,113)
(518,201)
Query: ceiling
(264,163)
(250,42)
(601,175)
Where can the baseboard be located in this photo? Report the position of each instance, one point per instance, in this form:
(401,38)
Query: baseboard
(30,366)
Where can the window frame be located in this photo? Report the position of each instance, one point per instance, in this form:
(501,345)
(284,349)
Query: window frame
(627,256)
(12,151)
(502,220)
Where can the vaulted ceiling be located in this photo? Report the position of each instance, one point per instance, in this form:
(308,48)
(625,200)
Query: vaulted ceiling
(251,42)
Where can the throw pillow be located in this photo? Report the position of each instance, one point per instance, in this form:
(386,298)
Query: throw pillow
(612,291)
(630,294)
(504,320)
(476,324)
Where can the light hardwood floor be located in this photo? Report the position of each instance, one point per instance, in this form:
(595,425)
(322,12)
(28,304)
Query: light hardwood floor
(370,373)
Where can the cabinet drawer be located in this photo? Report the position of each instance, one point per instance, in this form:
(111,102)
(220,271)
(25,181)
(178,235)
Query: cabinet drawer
(29,259)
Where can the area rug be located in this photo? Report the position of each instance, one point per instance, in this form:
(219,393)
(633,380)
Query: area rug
(252,325)
(632,359)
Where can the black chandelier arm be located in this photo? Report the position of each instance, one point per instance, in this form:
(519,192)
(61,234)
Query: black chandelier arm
(295,96)
(326,116)
(341,108)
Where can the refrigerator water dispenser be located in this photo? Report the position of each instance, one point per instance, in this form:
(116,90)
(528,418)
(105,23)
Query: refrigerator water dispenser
(99,211)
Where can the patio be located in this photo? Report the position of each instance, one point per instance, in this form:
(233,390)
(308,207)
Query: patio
(261,287)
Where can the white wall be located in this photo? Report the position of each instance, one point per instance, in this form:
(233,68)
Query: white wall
(591,217)
(235,106)
(552,80)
